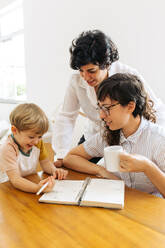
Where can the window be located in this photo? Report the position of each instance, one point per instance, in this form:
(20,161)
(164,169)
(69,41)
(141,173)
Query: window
(12,68)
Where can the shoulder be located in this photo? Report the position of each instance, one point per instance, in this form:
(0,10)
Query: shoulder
(76,81)
(43,150)
(9,153)
(118,67)
(155,131)
(9,147)
(94,144)
(40,144)
(75,78)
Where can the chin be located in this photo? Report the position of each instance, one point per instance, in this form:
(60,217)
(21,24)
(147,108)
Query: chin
(111,128)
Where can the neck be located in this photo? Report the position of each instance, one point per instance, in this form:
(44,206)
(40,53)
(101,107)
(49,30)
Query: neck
(132,126)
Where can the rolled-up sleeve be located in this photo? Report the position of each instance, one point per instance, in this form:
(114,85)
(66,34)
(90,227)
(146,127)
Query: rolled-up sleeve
(95,146)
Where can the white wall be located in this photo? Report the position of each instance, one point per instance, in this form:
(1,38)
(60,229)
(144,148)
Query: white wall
(4,3)
(137,27)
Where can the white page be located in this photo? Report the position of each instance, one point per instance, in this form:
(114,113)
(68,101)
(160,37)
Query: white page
(102,190)
(63,191)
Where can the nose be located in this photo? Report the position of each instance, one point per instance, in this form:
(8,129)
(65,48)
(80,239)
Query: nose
(102,114)
(36,140)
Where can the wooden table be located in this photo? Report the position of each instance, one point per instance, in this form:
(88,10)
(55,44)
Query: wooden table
(26,223)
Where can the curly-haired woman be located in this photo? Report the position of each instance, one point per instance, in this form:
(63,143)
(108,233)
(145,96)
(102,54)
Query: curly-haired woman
(95,57)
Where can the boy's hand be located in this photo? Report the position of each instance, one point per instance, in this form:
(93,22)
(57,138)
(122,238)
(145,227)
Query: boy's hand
(60,174)
(50,184)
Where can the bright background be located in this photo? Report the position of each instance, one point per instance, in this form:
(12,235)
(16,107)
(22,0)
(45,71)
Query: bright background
(137,27)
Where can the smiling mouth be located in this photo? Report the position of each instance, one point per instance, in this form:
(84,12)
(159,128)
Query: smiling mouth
(108,123)
(91,82)
(29,146)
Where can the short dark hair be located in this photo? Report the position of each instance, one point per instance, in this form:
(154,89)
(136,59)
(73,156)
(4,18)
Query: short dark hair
(124,87)
(93,47)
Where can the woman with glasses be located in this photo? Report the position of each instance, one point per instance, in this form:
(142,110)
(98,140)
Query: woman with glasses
(95,57)
(129,119)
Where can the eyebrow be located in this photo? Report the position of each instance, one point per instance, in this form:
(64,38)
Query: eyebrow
(90,69)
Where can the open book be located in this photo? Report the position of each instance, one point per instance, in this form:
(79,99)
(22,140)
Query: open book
(89,192)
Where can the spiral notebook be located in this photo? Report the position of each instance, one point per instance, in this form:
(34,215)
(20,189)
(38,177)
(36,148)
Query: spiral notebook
(89,192)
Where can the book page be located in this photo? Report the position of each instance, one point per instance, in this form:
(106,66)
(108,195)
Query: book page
(64,192)
(104,191)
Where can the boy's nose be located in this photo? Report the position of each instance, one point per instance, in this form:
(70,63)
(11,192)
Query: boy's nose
(35,142)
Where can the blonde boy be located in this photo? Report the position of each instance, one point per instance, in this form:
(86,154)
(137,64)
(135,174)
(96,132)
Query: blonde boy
(24,148)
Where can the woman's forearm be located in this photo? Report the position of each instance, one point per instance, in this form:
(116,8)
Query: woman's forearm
(80,164)
(156,176)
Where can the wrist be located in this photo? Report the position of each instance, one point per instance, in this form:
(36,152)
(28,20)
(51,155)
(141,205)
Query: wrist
(99,170)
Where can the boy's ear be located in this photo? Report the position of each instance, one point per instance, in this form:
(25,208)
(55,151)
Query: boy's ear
(131,106)
(13,129)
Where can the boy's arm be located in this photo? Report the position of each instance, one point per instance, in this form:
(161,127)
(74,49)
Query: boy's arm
(22,183)
(77,159)
(48,166)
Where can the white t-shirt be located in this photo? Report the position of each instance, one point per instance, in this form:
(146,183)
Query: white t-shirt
(11,157)
(80,95)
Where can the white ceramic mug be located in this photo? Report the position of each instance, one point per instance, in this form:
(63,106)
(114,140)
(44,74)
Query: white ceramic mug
(111,156)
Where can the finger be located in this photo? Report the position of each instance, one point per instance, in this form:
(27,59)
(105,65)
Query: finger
(45,180)
(55,174)
(60,174)
(65,173)
(51,183)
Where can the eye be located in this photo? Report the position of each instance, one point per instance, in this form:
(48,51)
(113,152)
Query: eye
(92,72)
(108,108)
(31,137)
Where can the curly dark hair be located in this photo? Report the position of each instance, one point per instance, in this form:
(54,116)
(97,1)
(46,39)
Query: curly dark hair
(93,47)
(125,88)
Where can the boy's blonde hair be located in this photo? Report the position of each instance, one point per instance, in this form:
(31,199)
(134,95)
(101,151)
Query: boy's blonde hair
(29,116)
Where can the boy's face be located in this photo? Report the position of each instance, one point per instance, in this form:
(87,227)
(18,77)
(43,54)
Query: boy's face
(26,139)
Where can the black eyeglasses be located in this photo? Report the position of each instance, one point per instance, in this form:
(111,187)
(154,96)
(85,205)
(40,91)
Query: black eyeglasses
(105,109)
